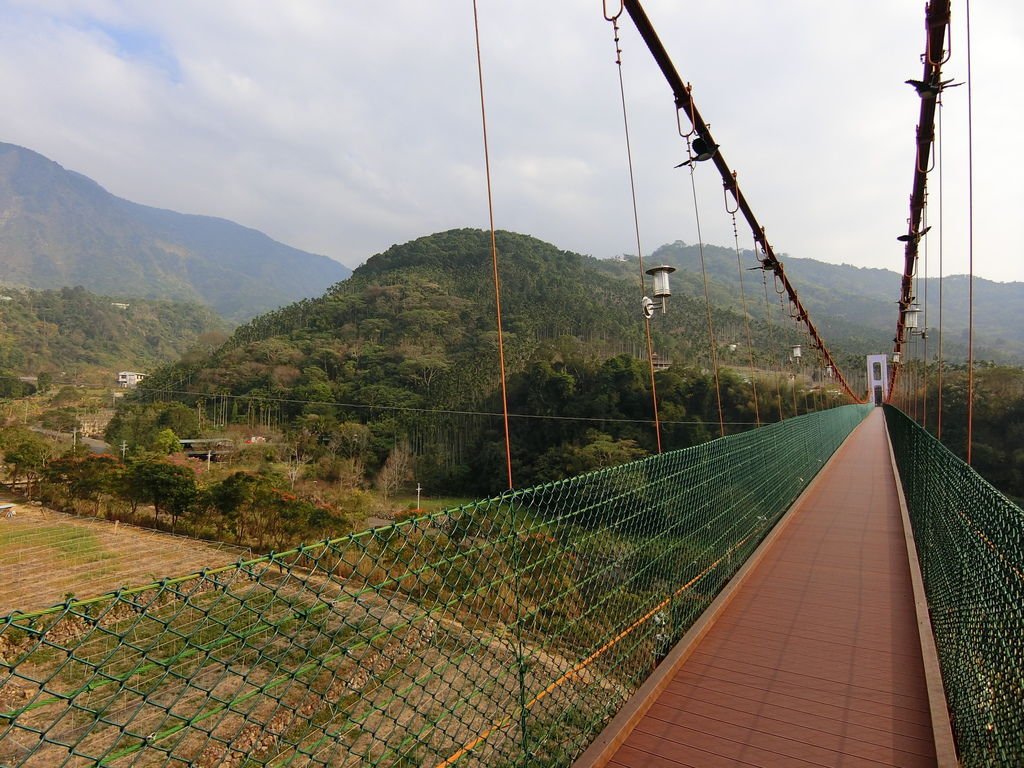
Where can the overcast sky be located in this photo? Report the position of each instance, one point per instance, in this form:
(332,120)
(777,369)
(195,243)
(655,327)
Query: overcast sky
(344,127)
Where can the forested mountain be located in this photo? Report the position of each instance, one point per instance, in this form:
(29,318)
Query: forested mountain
(72,333)
(428,306)
(853,304)
(59,229)
(407,347)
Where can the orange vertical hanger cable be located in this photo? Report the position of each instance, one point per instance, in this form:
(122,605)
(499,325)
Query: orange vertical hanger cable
(494,248)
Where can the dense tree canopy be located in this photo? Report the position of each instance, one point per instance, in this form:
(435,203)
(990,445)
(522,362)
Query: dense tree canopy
(407,349)
(69,332)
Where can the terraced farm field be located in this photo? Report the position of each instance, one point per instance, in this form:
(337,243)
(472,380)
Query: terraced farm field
(45,556)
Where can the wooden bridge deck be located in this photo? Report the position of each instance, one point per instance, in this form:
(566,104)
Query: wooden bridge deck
(814,659)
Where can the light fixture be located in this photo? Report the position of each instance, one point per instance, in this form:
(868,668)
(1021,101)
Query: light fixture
(661,290)
(910,316)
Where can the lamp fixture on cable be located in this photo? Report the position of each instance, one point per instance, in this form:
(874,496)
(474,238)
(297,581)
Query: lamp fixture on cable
(661,290)
(911,312)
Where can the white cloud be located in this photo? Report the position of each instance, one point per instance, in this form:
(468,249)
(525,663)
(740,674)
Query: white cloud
(343,128)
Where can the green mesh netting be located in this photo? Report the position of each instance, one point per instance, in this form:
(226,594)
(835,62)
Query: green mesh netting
(970,542)
(501,633)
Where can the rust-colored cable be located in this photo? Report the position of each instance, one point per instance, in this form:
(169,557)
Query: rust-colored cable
(970,245)
(684,102)
(941,362)
(712,345)
(636,226)
(494,247)
(746,315)
(771,342)
(936,23)
(924,334)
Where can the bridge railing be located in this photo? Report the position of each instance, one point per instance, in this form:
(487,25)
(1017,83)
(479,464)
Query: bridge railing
(970,544)
(505,632)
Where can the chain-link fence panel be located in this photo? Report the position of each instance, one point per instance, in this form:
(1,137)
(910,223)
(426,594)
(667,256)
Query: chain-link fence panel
(505,632)
(970,543)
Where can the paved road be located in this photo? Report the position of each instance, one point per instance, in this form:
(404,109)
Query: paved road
(96,446)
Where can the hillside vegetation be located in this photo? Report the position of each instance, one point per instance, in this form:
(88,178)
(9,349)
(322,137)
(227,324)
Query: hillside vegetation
(997,435)
(404,355)
(71,334)
(391,380)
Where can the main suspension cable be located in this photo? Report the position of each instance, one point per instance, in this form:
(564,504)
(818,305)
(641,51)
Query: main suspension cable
(929,89)
(684,102)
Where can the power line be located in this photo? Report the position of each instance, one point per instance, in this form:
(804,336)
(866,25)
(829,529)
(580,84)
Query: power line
(430,411)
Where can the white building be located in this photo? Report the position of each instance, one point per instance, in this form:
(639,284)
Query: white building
(129,379)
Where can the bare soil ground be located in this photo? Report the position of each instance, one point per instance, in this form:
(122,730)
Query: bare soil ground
(45,556)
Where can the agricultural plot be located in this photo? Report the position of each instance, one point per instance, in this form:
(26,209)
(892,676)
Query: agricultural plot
(319,658)
(46,556)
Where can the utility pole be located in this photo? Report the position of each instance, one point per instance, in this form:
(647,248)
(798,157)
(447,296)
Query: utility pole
(124,449)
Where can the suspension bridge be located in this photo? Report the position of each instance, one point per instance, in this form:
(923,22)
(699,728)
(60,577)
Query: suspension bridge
(514,630)
(832,589)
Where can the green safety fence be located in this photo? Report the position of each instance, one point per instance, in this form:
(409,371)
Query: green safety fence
(970,543)
(505,632)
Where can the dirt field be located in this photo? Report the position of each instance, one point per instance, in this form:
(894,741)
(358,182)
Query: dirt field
(46,556)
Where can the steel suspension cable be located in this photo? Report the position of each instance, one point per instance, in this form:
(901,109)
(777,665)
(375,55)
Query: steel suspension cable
(929,90)
(614,19)
(771,342)
(970,243)
(746,315)
(791,375)
(707,303)
(924,334)
(497,303)
(941,362)
(684,102)
(494,247)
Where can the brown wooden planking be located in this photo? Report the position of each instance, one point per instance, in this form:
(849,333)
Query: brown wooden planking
(816,660)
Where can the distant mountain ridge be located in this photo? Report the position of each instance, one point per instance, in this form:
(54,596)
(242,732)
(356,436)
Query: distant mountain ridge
(59,228)
(842,299)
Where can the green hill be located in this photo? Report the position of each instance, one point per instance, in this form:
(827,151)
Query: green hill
(71,333)
(407,347)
